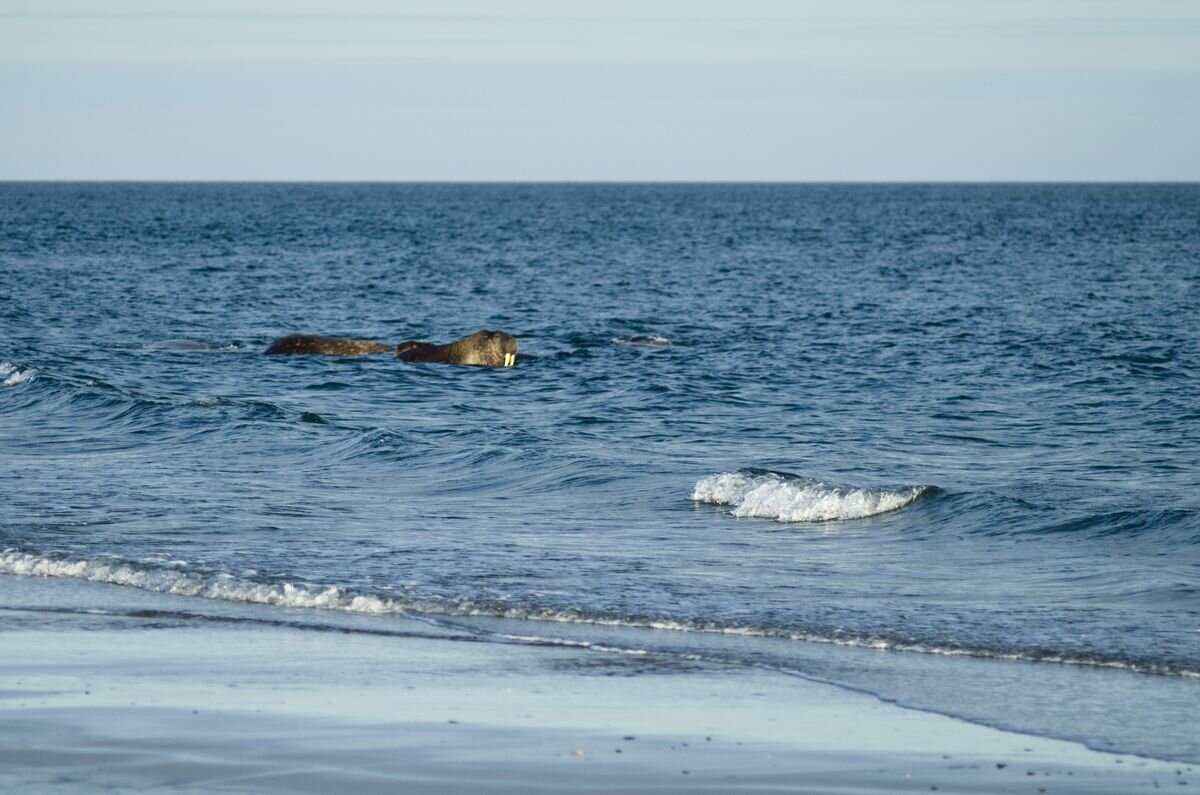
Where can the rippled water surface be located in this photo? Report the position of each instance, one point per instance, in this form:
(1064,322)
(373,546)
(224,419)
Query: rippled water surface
(785,425)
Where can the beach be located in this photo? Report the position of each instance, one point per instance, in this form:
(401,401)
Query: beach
(812,487)
(599,398)
(141,694)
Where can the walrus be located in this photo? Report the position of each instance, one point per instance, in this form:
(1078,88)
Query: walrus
(327,346)
(484,348)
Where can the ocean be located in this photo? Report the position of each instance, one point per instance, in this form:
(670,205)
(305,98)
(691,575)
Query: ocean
(935,442)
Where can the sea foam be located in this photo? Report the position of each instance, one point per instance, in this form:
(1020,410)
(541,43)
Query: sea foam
(644,341)
(11,374)
(225,587)
(172,580)
(785,498)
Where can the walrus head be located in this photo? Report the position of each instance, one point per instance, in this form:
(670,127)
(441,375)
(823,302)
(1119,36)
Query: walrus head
(485,348)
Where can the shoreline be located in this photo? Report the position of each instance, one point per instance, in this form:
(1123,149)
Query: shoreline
(151,695)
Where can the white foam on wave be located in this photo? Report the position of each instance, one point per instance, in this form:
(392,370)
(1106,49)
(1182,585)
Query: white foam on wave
(772,496)
(187,583)
(644,341)
(13,375)
(229,588)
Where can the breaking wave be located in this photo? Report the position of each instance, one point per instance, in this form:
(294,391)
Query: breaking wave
(173,577)
(644,341)
(790,498)
(11,374)
(173,580)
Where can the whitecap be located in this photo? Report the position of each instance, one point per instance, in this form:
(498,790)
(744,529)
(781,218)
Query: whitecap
(768,495)
(14,375)
(173,580)
(227,587)
(644,341)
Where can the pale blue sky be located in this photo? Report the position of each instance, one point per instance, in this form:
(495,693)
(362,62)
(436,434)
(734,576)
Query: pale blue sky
(619,90)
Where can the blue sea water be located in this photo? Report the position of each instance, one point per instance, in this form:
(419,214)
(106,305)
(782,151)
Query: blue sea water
(936,442)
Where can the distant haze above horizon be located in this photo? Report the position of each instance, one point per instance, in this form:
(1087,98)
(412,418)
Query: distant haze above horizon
(547,90)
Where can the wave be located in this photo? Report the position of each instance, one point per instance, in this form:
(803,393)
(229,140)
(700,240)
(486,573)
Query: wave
(173,577)
(1165,525)
(87,399)
(644,341)
(790,498)
(12,375)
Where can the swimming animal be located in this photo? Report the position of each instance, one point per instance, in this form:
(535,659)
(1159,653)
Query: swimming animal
(485,348)
(328,346)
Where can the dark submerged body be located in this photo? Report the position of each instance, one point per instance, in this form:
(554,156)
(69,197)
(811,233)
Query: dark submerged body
(326,346)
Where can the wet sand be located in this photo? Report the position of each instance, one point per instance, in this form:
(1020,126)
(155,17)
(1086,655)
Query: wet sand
(151,694)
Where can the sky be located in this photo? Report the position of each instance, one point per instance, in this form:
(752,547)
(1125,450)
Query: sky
(534,90)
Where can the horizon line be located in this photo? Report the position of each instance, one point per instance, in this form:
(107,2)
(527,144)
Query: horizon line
(565,181)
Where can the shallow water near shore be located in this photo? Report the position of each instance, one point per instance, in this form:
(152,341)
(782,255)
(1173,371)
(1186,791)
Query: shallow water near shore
(933,442)
(130,690)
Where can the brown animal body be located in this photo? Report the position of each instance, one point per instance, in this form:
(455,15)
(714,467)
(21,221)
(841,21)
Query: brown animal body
(327,346)
(483,348)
